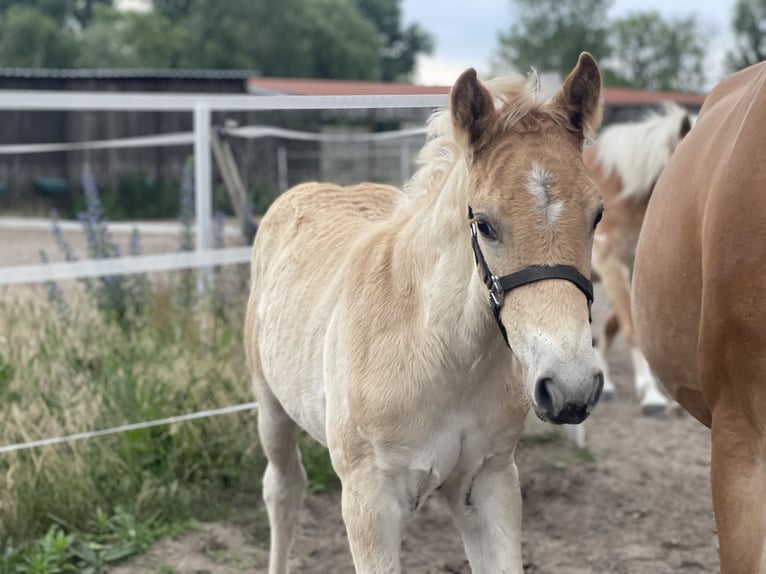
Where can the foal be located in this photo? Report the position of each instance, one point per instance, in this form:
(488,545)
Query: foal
(378,320)
(625,161)
(699,301)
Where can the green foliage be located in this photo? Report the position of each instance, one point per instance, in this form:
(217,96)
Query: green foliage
(105,539)
(360,39)
(288,38)
(134,197)
(316,460)
(749,27)
(58,10)
(6,373)
(400,46)
(173,10)
(263,195)
(642,50)
(550,34)
(354,53)
(653,53)
(79,11)
(116,39)
(31,38)
(105,376)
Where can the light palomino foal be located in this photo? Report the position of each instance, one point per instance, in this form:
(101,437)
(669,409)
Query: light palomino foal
(699,301)
(369,326)
(625,161)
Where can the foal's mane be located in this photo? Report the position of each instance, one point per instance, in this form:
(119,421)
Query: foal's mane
(638,151)
(516,97)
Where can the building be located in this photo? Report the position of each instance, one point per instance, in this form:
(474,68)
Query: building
(266,164)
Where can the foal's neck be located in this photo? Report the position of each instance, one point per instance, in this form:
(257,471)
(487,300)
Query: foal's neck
(434,243)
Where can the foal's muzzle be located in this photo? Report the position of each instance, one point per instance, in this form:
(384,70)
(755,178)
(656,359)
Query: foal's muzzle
(554,404)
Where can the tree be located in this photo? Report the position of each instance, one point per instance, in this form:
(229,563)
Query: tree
(344,44)
(130,40)
(80,11)
(652,53)
(247,34)
(312,38)
(30,38)
(749,26)
(173,10)
(399,46)
(550,34)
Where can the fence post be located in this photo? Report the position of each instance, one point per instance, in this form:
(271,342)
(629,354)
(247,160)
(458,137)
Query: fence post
(203,196)
(282,168)
(405,160)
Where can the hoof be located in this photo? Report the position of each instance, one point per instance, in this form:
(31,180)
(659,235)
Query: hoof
(652,410)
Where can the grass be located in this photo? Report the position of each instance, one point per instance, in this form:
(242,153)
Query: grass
(117,350)
(89,503)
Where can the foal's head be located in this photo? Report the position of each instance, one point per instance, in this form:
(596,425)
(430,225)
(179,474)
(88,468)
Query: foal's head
(534,205)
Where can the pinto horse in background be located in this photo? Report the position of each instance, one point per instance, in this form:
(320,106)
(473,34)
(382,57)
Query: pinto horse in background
(625,161)
(380,321)
(699,301)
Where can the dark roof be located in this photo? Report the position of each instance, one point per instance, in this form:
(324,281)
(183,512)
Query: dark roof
(126,73)
(315,87)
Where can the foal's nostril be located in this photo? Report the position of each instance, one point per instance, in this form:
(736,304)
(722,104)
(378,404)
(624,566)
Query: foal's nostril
(598,378)
(544,395)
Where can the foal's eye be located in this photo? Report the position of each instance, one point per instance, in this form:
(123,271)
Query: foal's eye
(486,229)
(598,217)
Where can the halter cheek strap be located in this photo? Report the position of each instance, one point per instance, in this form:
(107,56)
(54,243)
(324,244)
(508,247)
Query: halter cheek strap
(499,286)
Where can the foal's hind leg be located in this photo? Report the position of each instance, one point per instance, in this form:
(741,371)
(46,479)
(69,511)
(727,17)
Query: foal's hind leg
(284,482)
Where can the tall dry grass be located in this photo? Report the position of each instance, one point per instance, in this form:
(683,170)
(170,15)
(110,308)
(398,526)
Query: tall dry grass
(90,372)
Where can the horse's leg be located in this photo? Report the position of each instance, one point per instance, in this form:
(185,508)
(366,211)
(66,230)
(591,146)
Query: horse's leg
(374,510)
(285,479)
(738,476)
(486,506)
(614,276)
(602,344)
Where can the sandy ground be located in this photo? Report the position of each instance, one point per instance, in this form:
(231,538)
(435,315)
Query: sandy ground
(637,502)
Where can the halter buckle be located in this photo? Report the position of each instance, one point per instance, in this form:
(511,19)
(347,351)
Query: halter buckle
(496,294)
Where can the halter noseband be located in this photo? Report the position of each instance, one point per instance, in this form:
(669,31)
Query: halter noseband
(499,286)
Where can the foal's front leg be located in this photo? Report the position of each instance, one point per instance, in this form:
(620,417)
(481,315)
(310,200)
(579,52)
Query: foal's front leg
(374,512)
(486,505)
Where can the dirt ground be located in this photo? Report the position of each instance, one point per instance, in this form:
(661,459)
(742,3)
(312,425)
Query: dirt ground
(637,501)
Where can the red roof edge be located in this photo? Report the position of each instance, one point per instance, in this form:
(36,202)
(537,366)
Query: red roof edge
(613,96)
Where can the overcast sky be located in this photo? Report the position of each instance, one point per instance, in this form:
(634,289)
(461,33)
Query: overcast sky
(466,31)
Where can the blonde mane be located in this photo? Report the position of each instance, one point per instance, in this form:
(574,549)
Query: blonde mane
(515,97)
(638,151)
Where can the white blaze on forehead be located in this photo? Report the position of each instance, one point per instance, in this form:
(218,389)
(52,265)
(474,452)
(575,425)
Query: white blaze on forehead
(539,185)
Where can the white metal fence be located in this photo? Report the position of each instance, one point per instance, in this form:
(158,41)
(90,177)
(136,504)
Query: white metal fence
(201,106)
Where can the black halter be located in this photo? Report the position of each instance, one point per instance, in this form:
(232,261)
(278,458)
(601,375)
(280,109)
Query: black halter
(499,286)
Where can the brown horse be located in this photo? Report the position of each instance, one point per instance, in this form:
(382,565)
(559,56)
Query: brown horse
(699,301)
(380,321)
(625,162)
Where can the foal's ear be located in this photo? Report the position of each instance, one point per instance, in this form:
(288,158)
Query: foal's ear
(473,109)
(580,96)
